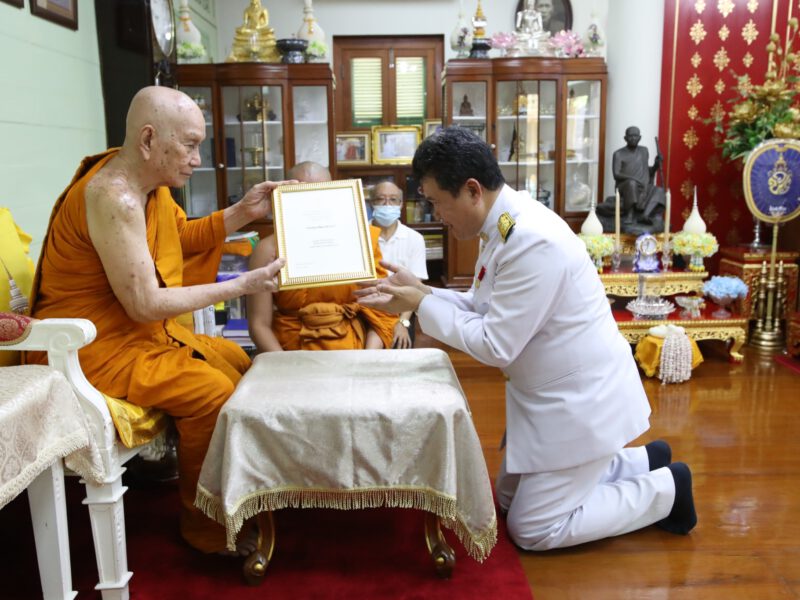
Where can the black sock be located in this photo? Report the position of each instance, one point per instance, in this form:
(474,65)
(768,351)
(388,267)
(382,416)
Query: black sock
(659,454)
(682,518)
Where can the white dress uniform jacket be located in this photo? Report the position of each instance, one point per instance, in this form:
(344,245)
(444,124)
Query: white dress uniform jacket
(538,311)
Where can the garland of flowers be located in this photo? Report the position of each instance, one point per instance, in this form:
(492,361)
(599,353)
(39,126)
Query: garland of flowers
(676,357)
(694,244)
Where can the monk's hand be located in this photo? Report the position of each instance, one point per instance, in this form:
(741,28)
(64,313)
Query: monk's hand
(386,296)
(262,279)
(257,202)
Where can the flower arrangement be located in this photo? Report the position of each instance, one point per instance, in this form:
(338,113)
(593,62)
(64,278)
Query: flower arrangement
(567,44)
(765,111)
(503,41)
(725,286)
(694,244)
(598,246)
(317,49)
(191,51)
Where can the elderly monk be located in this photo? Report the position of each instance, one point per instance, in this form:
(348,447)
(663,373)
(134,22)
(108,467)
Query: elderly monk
(322,318)
(121,253)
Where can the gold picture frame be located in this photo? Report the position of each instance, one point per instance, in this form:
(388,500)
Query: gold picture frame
(353,148)
(430,127)
(321,229)
(394,144)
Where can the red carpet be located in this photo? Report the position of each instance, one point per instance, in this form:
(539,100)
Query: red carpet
(788,362)
(378,553)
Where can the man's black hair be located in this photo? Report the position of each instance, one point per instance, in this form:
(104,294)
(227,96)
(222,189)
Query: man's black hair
(453,155)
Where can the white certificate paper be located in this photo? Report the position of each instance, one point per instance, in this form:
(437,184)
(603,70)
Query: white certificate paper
(322,231)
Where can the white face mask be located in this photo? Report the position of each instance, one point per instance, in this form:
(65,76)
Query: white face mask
(385,215)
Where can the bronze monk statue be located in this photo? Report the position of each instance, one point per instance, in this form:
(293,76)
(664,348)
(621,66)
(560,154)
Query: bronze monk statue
(642,203)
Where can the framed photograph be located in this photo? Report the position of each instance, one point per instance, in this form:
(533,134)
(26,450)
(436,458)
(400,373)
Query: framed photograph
(352,148)
(63,12)
(395,144)
(556,14)
(321,229)
(431,127)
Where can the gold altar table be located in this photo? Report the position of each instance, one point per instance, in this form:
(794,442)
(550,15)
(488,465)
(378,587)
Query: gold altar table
(745,263)
(349,429)
(732,331)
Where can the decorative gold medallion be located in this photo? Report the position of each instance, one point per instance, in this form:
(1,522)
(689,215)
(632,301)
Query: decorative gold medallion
(721,59)
(687,187)
(696,59)
(689,164)
(724,33)
(752,5)
(749,32)
(697,32)
(693,86)
(692,112)
(744,85)
(717,111)
(719,87)
(780,178)
(690,138)
(700,6)
(505,224)
(725,7)
(747,60)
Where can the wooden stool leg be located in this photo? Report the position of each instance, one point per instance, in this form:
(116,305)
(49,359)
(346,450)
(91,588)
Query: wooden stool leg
(444,559)
(255,565)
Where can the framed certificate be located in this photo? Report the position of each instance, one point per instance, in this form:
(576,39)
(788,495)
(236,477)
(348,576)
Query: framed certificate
(321,229)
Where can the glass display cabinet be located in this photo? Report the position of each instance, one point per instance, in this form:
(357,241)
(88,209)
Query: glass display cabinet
(261,119)
(545,120)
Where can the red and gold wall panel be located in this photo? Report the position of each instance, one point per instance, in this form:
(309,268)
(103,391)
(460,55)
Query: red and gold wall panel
(708,46)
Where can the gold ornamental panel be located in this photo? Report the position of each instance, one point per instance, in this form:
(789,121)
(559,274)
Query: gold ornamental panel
(663,284)
(733,331)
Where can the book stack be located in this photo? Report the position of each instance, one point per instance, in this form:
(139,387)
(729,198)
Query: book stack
(434,246)
(237,331)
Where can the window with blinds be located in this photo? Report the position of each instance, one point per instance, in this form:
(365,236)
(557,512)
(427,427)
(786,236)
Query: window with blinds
(410,90)
(366,91)
(387,80)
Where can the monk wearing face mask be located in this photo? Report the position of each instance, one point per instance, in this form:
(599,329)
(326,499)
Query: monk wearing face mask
(400,245)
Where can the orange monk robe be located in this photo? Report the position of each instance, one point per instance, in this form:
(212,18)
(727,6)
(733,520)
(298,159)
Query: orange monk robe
(160,363)
(329,318)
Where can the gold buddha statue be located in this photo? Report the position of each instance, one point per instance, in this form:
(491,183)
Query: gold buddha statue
(255,39)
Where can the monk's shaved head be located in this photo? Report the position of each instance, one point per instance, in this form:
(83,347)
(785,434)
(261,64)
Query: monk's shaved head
(163,108)
(309,172)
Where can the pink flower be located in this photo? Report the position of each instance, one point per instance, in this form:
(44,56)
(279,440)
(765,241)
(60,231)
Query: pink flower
(503,40)
(567,43)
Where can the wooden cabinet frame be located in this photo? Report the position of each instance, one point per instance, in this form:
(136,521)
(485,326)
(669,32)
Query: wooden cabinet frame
(460,256)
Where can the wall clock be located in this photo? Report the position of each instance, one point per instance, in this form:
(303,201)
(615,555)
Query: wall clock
(136,40)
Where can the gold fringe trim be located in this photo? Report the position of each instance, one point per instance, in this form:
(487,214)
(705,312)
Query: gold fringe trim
(477,544)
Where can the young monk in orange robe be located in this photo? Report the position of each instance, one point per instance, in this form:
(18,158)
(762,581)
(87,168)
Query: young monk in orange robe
(323,318)
(121,253)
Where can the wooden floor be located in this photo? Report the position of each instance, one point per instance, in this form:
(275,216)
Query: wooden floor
(737,426)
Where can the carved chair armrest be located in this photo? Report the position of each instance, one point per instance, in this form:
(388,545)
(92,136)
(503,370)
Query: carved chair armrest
(61,339)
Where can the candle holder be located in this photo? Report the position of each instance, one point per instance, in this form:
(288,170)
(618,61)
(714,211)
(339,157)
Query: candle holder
(666,256)
(616,257)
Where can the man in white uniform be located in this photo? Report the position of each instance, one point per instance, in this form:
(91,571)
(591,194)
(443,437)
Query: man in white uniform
(400,245)
(538,311)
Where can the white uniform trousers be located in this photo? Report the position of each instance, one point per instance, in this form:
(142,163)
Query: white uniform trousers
(604,498)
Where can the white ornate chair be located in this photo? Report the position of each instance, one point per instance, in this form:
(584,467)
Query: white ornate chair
(61,339)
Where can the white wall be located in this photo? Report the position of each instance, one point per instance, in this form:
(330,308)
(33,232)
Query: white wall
(51,110)
(390,17)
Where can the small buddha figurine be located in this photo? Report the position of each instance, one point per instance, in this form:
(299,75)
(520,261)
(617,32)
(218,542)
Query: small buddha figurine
(255,39)
(529,30)
(465,110)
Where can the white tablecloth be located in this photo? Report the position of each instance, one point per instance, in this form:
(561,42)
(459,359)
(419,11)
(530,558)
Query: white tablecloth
(348,430)
(41,421)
